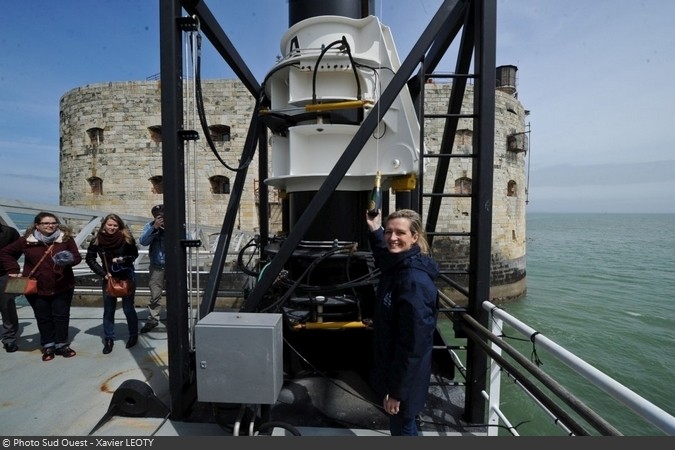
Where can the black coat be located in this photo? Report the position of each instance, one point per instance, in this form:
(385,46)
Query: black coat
(128,251)
(404,322)
(7,236)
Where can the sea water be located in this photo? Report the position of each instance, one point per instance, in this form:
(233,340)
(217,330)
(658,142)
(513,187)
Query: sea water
(603,287)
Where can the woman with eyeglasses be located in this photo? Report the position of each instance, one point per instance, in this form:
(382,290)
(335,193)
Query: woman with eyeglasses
(50,249)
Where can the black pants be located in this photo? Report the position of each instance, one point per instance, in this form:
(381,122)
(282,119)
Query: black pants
(10,319)
(52,313)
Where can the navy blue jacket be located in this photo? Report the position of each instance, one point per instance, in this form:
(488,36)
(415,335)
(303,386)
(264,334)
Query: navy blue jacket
(404,322)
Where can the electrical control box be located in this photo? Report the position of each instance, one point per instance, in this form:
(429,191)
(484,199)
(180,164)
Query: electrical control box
(239,357)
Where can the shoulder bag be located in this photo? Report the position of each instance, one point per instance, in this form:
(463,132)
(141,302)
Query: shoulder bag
(25,285)
(117,287)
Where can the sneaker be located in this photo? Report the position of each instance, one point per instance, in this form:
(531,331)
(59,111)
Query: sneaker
(148,326)
(11,347)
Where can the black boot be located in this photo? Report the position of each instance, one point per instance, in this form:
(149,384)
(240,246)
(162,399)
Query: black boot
(133,339)
(107,346)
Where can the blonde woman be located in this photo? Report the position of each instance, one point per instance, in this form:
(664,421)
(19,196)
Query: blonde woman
(116,248)
(405,317)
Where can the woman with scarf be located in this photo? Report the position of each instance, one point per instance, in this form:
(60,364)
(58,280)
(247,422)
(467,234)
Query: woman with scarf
(50,249)
(405,317)
(116,248)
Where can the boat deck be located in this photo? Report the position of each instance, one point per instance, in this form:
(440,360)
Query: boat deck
(126,393)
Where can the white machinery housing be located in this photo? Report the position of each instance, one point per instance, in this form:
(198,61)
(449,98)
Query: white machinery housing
(333,64)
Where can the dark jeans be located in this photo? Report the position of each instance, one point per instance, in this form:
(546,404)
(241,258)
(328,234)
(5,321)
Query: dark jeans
(52,313)
(403,426)
(10,319)
(109,306)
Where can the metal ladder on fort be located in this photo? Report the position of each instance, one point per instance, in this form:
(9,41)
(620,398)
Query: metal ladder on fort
(438,193)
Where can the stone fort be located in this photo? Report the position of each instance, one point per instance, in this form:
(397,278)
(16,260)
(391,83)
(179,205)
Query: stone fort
(111,160)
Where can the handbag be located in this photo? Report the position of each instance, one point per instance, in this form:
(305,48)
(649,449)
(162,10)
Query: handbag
(25,285)
(21,285)
(117,287)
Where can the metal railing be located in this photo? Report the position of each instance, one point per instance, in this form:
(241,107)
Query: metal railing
(548,394)
(641,406)
(85,223)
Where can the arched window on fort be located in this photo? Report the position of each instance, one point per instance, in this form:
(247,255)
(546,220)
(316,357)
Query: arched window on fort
(155,133)
(220,133)
(95,135)
(463,185)
(220,184)
(464,136)
(96,185)
(157,184)
(512,189)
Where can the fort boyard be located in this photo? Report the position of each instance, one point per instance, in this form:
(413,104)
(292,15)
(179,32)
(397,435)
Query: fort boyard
(111,159)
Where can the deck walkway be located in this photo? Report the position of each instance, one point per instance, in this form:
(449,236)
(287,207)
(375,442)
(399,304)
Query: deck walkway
(68,397)
(73,396)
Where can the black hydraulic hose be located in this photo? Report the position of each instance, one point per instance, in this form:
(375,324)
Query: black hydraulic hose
(356,74)
(280,302)
(202,114)
(345,44)
(316,66)
(240,258)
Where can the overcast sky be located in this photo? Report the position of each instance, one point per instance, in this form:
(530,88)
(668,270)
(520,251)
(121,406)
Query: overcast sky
(597,77)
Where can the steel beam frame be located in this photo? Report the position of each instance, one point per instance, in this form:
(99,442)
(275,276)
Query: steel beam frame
(431,46)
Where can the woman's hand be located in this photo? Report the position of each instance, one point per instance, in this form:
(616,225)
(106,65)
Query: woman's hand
(391,405)
(374,223)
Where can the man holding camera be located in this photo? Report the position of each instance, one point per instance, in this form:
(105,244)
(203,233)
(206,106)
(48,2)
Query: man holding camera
(153,236)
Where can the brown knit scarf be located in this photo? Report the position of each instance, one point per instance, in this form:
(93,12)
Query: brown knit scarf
(110,241)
